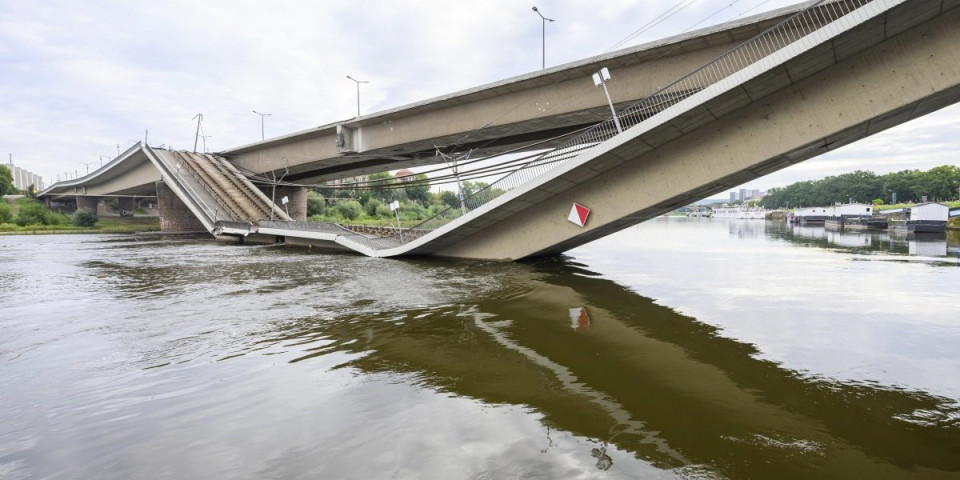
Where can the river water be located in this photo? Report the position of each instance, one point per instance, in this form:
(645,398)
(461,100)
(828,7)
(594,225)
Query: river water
(680,348)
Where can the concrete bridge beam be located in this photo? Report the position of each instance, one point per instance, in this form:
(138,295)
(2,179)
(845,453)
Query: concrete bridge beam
(904,77)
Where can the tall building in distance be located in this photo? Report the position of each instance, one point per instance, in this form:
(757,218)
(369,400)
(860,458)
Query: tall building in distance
(22,178)
(746,194)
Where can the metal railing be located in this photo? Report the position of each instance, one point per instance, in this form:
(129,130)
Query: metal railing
(775,38)
(222,206)
(212,214)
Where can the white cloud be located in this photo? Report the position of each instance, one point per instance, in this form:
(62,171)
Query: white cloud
(80,77)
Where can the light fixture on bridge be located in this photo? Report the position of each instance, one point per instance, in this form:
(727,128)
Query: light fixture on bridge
(261,124)
(358,82)
(600,79)
(543,37)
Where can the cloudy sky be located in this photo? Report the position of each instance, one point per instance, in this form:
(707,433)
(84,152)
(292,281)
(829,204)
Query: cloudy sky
(81,79)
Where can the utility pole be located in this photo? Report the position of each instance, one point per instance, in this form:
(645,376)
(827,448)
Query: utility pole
(196,135)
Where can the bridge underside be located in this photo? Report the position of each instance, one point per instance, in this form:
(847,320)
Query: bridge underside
(842,82)
(861,80)
(523,113)
(835,94)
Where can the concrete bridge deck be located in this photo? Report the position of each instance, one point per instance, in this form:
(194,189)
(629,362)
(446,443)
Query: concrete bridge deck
(829,75)
(847,80)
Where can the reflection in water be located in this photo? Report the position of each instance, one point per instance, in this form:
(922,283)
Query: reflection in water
(190,359)
(892,241)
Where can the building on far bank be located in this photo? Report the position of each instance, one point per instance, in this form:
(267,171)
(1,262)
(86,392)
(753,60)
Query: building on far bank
(746,194)
(23,178)
(928,218)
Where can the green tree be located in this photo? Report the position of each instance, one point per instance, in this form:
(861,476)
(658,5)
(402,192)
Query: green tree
(6,212)
(420,191)
(449,198)
(371,207)
(470,188)
(6,181)
(84,217)
(380,184)
(34,213)
(316,204)
(939,183)
(904,183)
(349,209)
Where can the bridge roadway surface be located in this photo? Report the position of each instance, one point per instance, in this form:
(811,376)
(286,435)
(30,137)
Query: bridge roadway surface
(849,80)
(884,64)
(514,113)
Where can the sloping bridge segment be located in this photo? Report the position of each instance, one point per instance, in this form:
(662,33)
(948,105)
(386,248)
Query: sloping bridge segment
(833,73)
(221,198)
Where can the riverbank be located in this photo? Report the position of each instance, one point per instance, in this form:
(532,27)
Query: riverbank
(104,225)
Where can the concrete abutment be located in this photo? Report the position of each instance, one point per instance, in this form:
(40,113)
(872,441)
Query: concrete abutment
(175,216)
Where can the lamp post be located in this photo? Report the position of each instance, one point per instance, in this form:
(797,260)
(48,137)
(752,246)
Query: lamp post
(261,124)
(543,37)
(600,79)
(358,82)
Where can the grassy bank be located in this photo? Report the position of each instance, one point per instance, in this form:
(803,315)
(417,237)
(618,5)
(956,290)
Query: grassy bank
(105,225)
(881,208)
(23,215)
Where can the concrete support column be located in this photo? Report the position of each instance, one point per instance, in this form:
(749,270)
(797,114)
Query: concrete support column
(89,203)
(174,214)
(297,200)
(127,204)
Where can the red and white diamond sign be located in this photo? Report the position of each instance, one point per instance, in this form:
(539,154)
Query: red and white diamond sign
(578,214)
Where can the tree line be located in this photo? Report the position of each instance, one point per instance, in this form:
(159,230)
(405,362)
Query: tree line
(937,184)
(369,201)
(6,182)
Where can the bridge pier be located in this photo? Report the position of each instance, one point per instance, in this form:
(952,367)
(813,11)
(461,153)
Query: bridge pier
(127,204)
(65,205)
(90,203)
(296,199)
(175,216)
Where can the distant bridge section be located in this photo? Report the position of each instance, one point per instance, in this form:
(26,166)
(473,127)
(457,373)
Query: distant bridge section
(816,78)
(522,113)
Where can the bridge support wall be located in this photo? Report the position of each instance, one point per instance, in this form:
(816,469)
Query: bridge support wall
(296,200)
(174,214)
(127,204)
(89,203)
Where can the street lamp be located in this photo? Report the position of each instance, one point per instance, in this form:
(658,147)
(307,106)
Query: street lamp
(261,123)
(543,37)
(600,79)
(358,82)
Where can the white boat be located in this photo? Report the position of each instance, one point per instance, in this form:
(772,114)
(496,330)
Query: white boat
(740,211)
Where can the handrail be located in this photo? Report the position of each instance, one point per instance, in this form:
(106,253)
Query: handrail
(175,173)
(213,194)
(775,38)
(242,188)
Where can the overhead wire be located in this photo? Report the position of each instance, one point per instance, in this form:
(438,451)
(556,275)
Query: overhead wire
(476,173)
(654,22)
(708,17)
(511,165)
